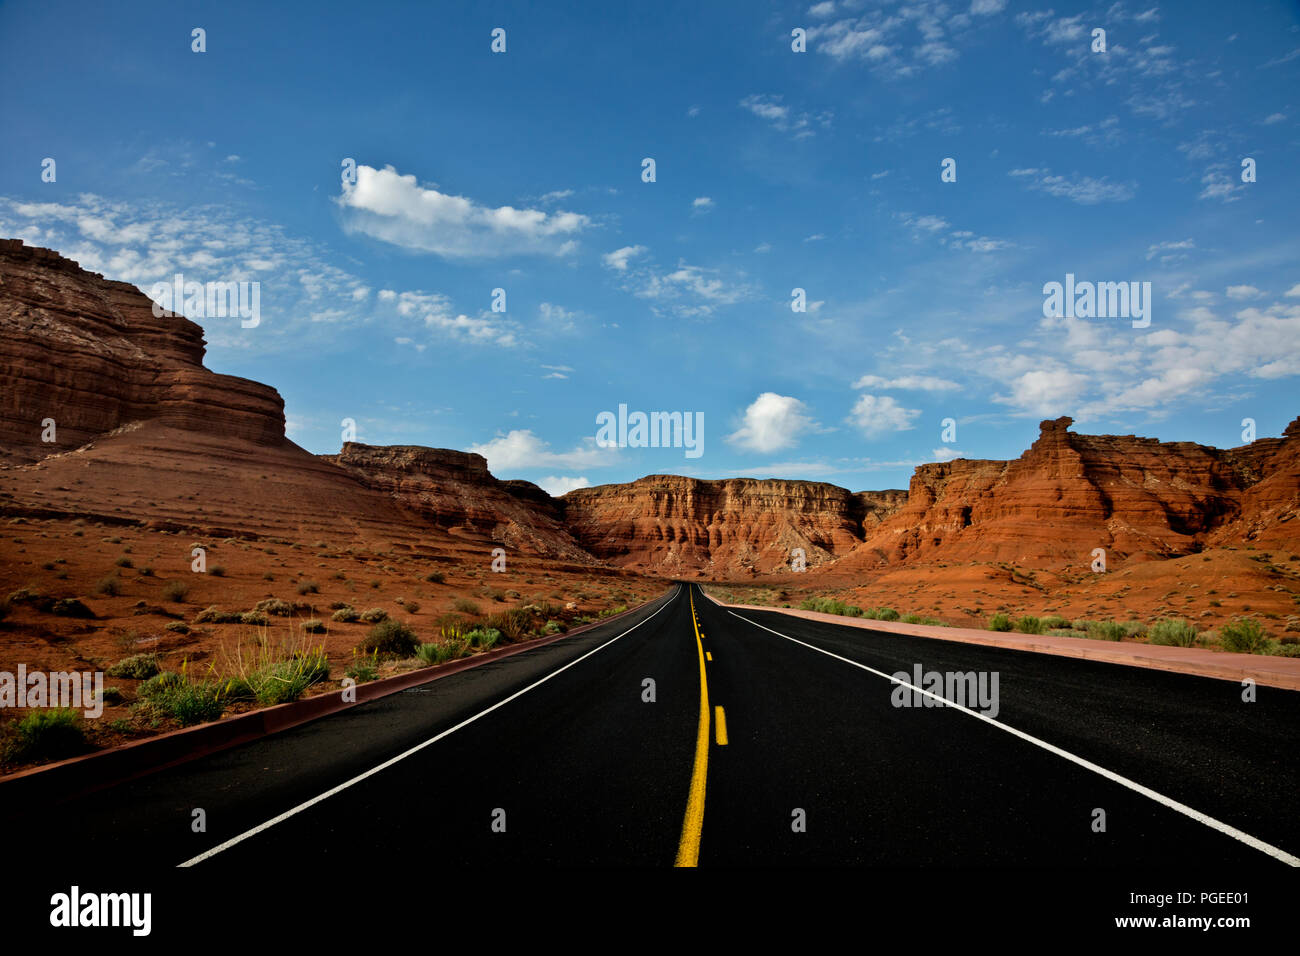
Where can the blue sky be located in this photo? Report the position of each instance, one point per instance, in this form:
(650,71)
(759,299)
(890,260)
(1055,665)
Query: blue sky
(775,170)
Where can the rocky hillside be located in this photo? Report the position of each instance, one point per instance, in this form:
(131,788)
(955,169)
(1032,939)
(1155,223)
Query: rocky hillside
(146,434)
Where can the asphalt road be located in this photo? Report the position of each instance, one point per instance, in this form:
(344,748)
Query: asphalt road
(554,756)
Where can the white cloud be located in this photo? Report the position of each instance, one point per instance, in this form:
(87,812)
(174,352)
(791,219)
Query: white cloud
(770,108)
(772,422)
(985,7)
(557,485)
(1243,292)
(386,205)
(1274,118)
(520,449)
(618,259)
(946,453)
(1083,189)
(878,415)
(923,383)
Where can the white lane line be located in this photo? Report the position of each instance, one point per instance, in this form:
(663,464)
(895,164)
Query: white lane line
(1197,815)
(208,854)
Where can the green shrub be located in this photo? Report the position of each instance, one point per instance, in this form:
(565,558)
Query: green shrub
(1105,630)
(1134,629)
(362,672)
(137,667)
(553,627)
(178,627)
(175,591)
(466,606)
(483,638)
(346,614)
(46,735)
(1000,622)
(286,680)
(390,638)
(1029,625)
(1173,632)
(1244,637)
(191,703)
(374,615)
(515,624)
(159,684)
(1054,621)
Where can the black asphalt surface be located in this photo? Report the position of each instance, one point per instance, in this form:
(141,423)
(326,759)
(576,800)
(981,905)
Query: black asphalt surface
(586,772)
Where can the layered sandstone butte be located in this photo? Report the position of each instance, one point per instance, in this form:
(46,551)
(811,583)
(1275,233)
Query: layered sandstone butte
(454,489)
(669,524)
(1069,493)
(90,354)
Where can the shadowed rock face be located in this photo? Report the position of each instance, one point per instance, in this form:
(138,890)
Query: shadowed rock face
(90,354)
(146,433)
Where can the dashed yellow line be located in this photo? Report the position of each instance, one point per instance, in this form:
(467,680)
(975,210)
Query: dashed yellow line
(722,727)
(688,849)
(708,656)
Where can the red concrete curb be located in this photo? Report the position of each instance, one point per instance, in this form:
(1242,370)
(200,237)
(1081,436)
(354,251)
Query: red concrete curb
(105,768)
(1265,671)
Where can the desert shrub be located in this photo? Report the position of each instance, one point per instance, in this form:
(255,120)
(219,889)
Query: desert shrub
(286,680)
(71,607)
(46,735)
(146,572)
(437,577)
(1134,628)
(1173,632)
(274,606)
(466,606)
(178,627)
(412,607)
(374,615)
(191,703)
(1285,650)
(237,689)
(514,624)
(124,562)
(1029,625)
(255,618)
(308,587)
(999,622)
(1244,637)
(553,627)
(484,638)
(158,684)
(313,626)
(110,586)
(886,614)
(136,667)
(214,615)
(175,591)
(1105,630)
(390,638)
(346,615)
(853,611)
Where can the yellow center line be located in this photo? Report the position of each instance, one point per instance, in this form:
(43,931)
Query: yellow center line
(722,727)
(688,850)
(708,655)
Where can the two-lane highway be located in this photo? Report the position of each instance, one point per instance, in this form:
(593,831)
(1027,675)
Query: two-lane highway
(693,734)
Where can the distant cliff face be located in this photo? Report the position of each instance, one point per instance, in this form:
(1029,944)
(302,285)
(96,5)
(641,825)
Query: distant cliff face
(454,489)
(1069,494)
(671,524)
(90,354)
